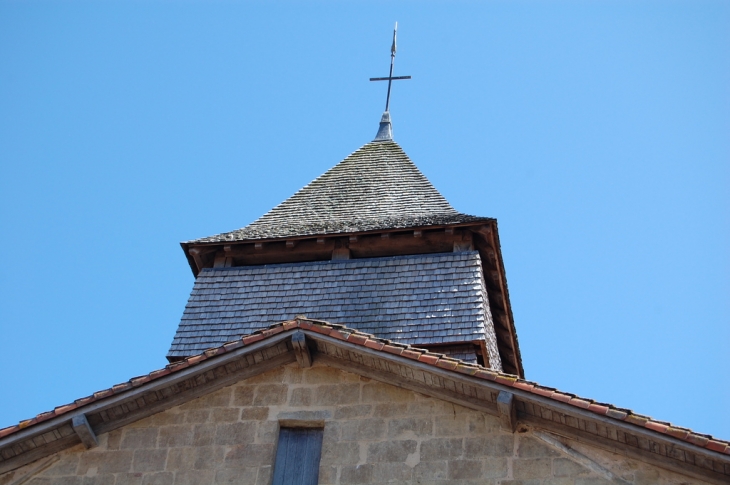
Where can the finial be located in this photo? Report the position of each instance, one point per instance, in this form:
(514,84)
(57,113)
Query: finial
(385,131)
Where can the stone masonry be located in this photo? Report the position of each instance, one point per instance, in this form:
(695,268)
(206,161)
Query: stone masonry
(373,433)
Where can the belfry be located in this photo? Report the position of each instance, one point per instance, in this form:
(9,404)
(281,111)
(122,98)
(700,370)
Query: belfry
(370,244)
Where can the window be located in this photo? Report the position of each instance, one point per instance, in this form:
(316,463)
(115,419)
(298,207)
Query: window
(297,456)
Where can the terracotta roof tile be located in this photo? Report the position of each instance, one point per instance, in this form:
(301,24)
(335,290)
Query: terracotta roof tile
(430,358)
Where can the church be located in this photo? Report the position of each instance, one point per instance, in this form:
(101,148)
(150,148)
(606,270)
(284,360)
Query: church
(358,333)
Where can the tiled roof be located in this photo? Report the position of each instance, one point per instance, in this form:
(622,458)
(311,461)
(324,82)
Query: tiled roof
(361,339)
(416,299)
(376,187)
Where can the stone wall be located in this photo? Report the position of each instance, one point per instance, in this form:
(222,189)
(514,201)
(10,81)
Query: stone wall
(373,433)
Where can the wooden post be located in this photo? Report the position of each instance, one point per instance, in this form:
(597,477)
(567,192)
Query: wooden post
(83,429)
(299,342)
(507,410)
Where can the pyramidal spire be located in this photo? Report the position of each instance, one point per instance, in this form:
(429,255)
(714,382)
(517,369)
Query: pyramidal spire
(385,130)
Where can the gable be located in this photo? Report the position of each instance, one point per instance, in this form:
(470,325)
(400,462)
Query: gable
(520,407)
(373,433)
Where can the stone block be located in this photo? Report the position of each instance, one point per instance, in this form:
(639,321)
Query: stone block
(242,456)
(204,434)
(379,392)
(391,472)
(430,470)
(533,448)
(327,475)
(71,480)
(563,467)
(267,432)
(322,375)
(97,480)
(139,438)
(333,394)
(180,459)
(198,415)
(208,457)
(332,431)
(270,395)
(390,451)
(495,468)
(236,475)
(39,481)
(464,469)
(363,429)
(254,413)
(305,417)
(354,411)
(114,439)
(450,425)
(243,395)
(264,475)
(273,376)
(162,478)
(410,427)
(194,477)
(334,453)
(356,474)
(134,478)
(105,462)
(224,415)
(494,445)
(235,433)
(300,396)
(441,449)
(149,460)
(532,468)
(391,410)
(175,436)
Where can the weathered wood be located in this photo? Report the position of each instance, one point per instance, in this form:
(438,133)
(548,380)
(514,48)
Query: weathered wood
(297,456)
(196,254)
(83,429)
(340,253)
(299,342)
(507,410)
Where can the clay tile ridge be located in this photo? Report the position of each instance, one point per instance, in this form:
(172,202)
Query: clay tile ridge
(382,345)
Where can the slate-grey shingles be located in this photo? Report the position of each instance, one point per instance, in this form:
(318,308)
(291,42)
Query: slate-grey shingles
(376,187)
(425,307)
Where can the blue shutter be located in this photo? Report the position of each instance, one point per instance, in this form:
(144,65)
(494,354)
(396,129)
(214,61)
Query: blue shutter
(297,456)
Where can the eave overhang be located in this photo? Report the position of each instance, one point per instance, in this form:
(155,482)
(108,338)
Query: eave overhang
(535,407)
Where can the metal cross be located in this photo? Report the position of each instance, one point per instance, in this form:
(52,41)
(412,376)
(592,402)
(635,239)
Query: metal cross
(390,77)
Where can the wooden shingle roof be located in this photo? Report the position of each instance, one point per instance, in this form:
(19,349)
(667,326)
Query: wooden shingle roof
(424,299)
(376,187)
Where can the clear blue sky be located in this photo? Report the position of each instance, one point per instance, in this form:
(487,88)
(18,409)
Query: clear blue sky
(597,133)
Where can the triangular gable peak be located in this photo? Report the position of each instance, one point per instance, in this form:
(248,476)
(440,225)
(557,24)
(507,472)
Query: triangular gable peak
(519,405)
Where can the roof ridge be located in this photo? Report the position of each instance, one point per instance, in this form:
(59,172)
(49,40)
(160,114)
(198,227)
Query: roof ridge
(370,341)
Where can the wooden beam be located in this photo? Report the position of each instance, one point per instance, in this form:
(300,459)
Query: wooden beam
(83,429)
(196,254)
(507,410)
(299,342)
(340,253)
